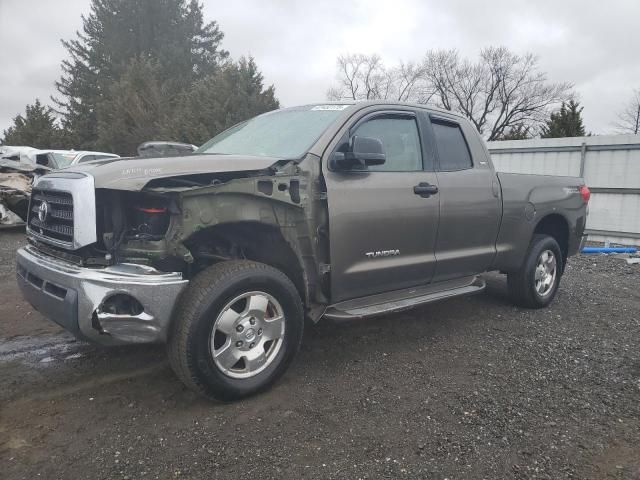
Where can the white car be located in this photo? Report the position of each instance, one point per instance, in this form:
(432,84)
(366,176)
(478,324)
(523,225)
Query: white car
(67,158)
(53,159)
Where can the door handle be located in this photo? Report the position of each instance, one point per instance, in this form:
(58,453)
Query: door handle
(425,190)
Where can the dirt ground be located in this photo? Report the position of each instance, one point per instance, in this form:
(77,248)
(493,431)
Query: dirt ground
(467,388)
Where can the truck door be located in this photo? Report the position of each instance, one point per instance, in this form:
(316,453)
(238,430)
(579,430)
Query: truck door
(470,204)
(383,219)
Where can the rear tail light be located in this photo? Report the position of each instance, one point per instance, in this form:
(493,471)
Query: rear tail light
(585,192)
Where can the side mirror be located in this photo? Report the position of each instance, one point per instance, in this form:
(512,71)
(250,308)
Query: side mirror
(362,152)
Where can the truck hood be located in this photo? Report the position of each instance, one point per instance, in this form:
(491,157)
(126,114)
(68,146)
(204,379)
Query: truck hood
(134,173)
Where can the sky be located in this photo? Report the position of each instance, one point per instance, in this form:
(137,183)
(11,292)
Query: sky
(592,44)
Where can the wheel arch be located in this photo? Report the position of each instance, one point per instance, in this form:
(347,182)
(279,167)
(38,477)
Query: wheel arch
(556,226)
(252,240)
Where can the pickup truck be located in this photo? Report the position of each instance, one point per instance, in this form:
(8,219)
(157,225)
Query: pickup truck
(337,210)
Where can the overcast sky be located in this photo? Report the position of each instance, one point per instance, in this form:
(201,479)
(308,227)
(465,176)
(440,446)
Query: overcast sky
(593,44)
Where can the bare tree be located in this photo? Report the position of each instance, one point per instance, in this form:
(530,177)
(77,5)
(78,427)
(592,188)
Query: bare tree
(629,118)
(360,77)
(500,91)
(409,83)
(365,77)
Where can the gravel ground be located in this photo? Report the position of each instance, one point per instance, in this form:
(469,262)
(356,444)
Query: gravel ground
(467,388)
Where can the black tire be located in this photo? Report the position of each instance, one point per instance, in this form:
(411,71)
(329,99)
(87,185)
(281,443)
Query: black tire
(189,342)
(522,283)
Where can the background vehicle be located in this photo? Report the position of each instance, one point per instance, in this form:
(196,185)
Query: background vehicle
(67,158)
(165,149)
(335,210)
(54,159)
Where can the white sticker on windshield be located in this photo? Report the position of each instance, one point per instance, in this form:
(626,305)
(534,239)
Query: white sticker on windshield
(330,107)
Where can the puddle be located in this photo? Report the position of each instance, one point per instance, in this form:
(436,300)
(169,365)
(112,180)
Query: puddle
(41,350)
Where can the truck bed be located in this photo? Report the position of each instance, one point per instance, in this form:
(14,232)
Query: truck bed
(527,198)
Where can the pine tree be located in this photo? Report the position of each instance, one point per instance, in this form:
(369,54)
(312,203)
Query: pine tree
(38,129)
(567,122)
(221,100)
(136,108)
(171,33)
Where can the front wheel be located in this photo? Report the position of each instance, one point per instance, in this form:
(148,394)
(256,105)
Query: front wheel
(236,330)
(536,283)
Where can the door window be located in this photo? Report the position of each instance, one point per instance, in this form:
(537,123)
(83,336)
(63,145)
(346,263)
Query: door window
(453,151)
(399,137)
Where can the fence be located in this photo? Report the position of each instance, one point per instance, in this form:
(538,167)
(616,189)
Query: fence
(610,166)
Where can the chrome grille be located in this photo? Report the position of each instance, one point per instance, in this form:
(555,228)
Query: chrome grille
(51,215)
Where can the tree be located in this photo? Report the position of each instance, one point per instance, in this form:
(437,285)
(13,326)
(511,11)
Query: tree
(38,129)
(233,94)
(496,93)
(170,33)
(566,122)
(364,77)
(629,118)
(517,132)
(135,109)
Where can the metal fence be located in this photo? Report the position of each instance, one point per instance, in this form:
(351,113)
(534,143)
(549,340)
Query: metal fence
(610,166)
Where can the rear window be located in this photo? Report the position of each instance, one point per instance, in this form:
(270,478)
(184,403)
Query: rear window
(64,159)
(453,151)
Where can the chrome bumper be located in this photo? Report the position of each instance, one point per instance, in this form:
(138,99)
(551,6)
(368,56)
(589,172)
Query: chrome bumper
(73,297)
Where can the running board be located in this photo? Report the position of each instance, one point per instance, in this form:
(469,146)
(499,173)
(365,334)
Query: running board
(400,300)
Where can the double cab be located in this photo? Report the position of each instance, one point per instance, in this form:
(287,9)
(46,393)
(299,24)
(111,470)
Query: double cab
(335,210)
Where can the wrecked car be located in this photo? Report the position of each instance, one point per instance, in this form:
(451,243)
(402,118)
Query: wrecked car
(19,166)
(54,159)
(338,211)
(58,159)
(16,179)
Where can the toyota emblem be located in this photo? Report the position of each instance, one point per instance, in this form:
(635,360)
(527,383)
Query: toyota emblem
(43,212)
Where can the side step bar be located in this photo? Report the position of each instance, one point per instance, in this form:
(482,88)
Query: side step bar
(403,300)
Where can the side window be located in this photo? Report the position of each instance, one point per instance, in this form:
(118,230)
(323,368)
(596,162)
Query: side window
(44,159)
(453,151)
(400,140)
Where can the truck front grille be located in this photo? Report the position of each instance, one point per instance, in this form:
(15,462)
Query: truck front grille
(51,215)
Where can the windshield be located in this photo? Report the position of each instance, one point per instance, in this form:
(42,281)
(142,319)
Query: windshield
(282,134)
(64,159)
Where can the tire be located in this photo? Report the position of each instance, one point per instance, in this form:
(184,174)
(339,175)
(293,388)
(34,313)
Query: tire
(213,318)
(534,285)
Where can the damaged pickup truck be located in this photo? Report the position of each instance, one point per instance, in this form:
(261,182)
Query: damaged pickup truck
(339,211)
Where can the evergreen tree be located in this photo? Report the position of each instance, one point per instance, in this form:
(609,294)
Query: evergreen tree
(221,100)
(136,108)
(171,33)
(567,122)
(38,129)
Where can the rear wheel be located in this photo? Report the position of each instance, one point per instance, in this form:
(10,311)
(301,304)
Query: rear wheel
(236,330)
(536,283)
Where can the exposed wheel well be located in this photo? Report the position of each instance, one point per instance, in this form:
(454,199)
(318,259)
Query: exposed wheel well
(255,241)
(555,226)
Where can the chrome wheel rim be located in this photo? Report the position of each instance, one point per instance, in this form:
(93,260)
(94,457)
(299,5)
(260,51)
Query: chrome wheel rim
(545,274)
(247,334)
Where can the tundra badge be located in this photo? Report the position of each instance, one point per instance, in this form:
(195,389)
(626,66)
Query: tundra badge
(383,253)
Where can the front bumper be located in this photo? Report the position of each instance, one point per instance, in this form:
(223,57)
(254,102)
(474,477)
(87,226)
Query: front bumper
(74,297)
